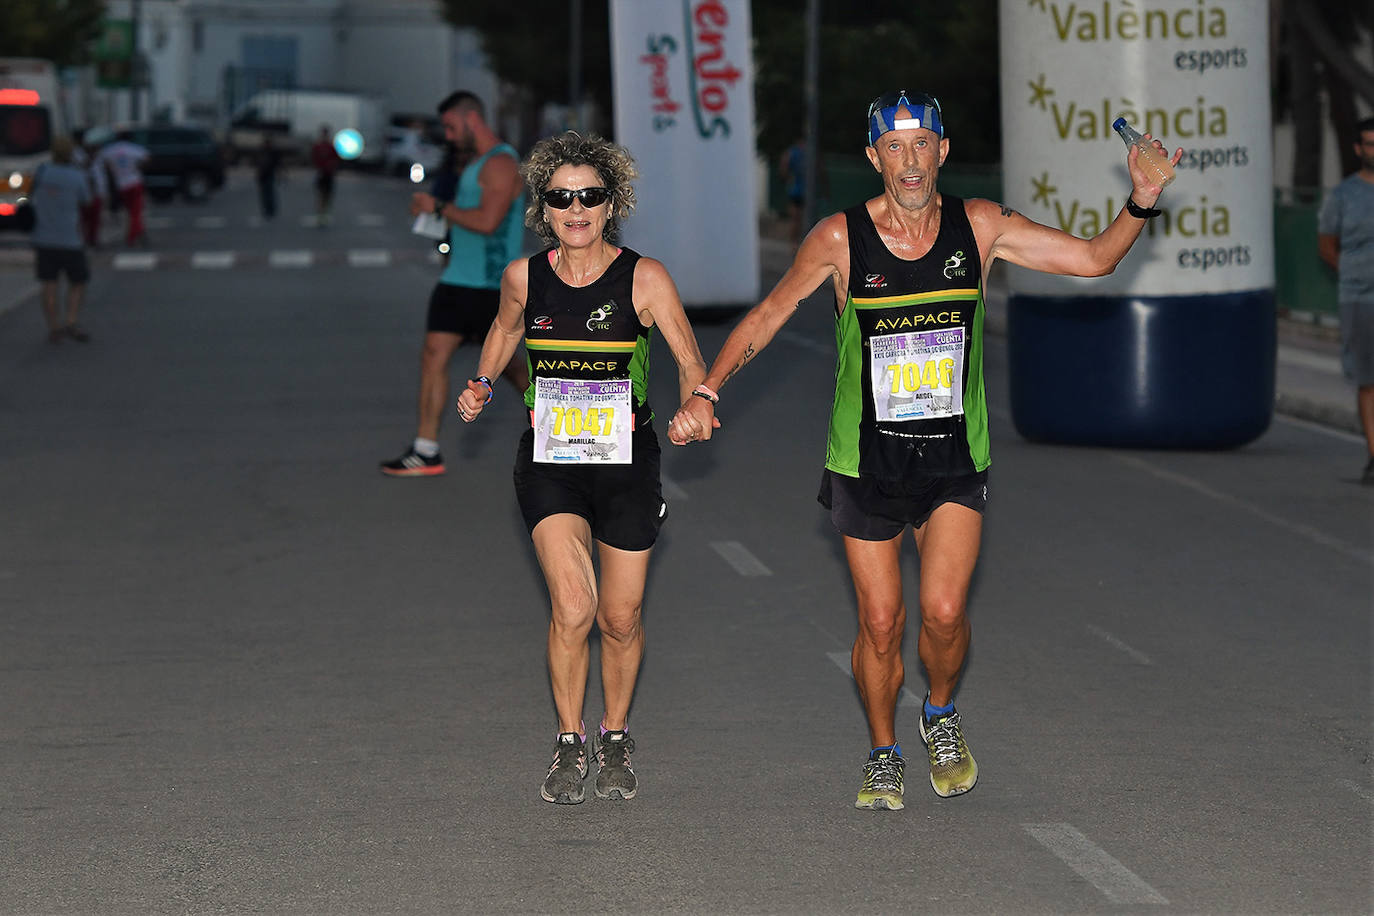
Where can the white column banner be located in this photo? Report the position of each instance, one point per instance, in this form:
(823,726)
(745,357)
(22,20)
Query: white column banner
(683,85)
(1195,74)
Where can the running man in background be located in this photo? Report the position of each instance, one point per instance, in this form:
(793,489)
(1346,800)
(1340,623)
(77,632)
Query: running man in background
(485,232)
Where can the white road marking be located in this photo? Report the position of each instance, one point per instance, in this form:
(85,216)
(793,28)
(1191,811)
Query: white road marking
(1113,641)
(670,488)
(134,260)
(845,663)
(371,219)
(209,222)
(1092,863)
(369,257)
(1306,531)
(213,260)
(158,222)
(806,343)
(310,220)
(296,258)
(739,557)
(1358,789)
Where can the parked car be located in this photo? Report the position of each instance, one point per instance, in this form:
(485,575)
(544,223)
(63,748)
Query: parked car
(182,160)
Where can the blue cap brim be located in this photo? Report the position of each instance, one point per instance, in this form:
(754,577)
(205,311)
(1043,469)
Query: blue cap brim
(885,119)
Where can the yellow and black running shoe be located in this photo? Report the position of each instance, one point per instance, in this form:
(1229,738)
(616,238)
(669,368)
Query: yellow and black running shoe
(952,768)
(882,785)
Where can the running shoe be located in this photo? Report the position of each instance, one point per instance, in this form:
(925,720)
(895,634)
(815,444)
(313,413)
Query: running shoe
(1368,476)
(882,785)
(413,464)
(614,776)
(564,784)
(952,768)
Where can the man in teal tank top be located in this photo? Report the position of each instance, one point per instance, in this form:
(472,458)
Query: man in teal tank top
(908,441)
(485,228)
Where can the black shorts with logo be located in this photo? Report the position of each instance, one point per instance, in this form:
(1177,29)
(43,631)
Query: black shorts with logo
(463,310)
(622,502)
(49,262)
(871,509)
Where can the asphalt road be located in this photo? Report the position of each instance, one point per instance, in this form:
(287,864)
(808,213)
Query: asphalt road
(244,672)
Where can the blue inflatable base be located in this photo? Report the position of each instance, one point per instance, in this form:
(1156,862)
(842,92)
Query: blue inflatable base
(1146,372)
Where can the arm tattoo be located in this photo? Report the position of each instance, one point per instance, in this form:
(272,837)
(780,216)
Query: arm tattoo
(1007,211)
(749,353)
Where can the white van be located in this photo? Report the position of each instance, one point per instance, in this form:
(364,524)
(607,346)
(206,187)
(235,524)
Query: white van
(294,117)
(30,117)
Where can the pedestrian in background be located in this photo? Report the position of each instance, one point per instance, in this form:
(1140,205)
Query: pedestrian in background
(326,161)
(125,159)
(1345,240)
(59,191)
(83,157)
(268,161)
(485,231)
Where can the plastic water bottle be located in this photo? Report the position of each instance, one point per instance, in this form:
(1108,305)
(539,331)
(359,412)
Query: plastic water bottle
(1156,165)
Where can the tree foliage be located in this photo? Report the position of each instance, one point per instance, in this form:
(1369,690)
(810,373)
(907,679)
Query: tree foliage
(57,30)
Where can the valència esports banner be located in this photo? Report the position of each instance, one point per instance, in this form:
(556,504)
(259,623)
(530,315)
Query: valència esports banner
(682,79)
(1195,74)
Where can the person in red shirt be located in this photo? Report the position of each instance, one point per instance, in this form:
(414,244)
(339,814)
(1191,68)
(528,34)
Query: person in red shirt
(326,161)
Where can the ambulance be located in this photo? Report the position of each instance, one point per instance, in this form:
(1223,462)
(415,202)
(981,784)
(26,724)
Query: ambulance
(30,117)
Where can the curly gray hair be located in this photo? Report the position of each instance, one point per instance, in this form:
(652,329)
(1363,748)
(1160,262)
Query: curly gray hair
(613,164)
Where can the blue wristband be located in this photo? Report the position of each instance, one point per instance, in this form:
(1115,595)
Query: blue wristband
(486,381)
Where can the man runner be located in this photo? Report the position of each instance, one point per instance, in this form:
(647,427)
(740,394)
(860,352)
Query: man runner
(908,441)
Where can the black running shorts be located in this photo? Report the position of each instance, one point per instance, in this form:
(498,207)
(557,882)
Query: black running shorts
(49,262)
(870,509)
(622,502)
(463,310)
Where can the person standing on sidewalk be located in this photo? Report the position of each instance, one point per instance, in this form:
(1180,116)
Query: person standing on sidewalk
(908,443)
(1345,240)
(84,157)
(60,189)
(268,162)
(485,232)
(326,161)
(125,159)
(587,469)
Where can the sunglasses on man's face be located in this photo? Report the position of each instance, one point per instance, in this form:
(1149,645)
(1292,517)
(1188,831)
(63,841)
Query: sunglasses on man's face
(562,198)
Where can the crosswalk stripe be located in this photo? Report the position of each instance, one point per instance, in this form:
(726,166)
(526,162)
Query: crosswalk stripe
(134,260)
(369,257)
(213,260)
(297,258)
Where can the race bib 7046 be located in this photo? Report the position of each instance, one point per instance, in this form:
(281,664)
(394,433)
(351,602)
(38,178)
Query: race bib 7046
(917,375)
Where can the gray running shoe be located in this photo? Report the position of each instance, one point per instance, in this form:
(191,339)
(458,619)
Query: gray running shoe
(953,770)
(882,785)
(614,776)
(564,784)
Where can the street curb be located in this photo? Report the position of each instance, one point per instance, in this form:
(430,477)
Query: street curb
(1299,407)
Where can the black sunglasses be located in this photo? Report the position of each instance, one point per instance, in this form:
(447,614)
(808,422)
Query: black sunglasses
(889,99)
(562,198)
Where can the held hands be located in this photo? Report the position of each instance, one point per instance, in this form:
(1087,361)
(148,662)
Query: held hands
(695,419)
(473,399)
